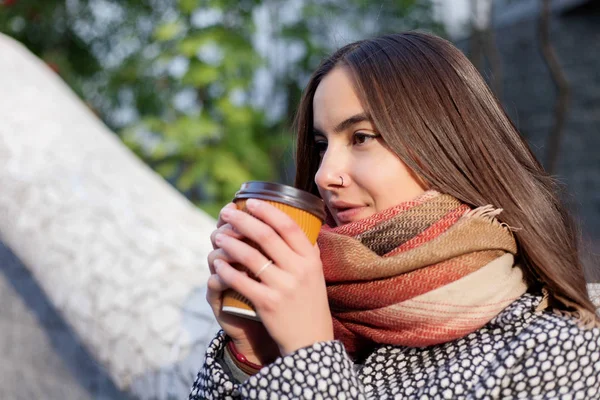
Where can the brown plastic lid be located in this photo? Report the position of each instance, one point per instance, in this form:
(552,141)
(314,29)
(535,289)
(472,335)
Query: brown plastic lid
(282,194)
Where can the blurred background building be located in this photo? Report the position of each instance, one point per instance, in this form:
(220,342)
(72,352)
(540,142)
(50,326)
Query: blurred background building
(204,91)
(550,87)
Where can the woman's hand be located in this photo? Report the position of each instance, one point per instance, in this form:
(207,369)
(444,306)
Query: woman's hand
(291,297)
(250,337)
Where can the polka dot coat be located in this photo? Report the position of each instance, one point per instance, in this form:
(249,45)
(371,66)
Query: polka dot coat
(520,354)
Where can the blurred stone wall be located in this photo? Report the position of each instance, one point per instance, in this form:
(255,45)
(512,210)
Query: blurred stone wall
(107,247)
(41,356)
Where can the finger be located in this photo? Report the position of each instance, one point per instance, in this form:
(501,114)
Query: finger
(259,294)
(252,259)
(225,229)
(262,234)
(215,288)
(217,254)
(227,206)
(285,227)
(214,292)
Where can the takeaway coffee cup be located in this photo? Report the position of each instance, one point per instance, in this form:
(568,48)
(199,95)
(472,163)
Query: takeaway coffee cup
(305,208)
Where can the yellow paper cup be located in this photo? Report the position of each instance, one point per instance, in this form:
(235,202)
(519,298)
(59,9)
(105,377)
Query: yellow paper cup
(305,208)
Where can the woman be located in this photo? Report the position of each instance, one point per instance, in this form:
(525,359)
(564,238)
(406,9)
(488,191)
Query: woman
(417,288)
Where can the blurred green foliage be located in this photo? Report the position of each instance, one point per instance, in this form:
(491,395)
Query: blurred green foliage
(204,91)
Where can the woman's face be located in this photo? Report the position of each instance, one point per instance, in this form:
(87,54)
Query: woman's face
(374,178)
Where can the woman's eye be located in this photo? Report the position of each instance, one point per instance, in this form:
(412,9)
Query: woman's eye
(362,138)
(321,147)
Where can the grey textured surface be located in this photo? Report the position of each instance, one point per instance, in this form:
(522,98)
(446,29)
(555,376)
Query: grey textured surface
(118,252)
(41,357)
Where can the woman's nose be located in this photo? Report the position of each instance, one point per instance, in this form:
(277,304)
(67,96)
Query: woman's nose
(332,172)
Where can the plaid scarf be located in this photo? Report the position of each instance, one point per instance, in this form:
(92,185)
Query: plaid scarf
(424,272)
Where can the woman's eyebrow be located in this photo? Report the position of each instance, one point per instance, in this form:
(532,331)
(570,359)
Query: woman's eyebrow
(353,120)
(345,124)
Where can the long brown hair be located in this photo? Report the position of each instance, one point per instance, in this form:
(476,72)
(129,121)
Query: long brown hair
(435,111)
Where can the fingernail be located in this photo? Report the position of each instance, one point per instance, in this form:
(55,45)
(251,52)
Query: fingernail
(219,238)
(253,203)
(226,212)
(217,263)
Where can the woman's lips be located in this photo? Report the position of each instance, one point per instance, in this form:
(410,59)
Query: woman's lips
(347,215)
